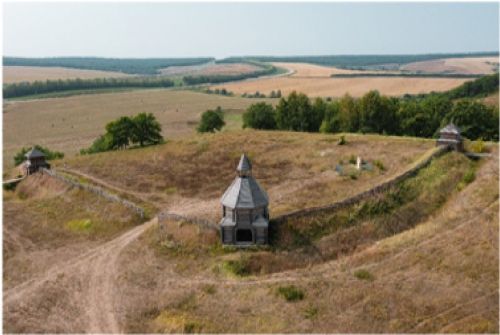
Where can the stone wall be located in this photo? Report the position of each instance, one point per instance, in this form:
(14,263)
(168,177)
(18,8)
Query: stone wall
(96,190)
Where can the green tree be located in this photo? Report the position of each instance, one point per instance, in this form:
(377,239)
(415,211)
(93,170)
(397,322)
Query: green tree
(414,120)
(475,120)
(295,113)
(317,114)
(378,113)
(260,116)
(435,107)
(120,132)
(146,130)
(349,115)
(211,120)
(331,122)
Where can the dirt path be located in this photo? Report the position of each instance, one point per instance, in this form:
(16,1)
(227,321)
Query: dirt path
(96,268)
(101,297)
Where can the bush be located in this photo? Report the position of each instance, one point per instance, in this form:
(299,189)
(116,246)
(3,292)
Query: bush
(379,165)
(363,275)
(49,155)
(291,293)
(478,147)
(211,120)
(311,312)
(260,116)
(342,140)
(237,267)
(469,176)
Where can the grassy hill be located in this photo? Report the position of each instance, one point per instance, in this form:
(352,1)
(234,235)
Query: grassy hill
(440,276)
(422,257)
(297,169)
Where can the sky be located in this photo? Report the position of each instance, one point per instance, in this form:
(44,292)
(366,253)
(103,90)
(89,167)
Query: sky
(220,30)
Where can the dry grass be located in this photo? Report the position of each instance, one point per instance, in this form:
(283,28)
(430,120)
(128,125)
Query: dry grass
(72,123)
(472,65)
(297,169)
(441,276)
(45,222)
(337,87)
(210,69)
(16,74)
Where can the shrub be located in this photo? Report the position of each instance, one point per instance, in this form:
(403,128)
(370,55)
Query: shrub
(363,275)
(311,312)
(291,293)
(342,140)
(379,165)
(211,120)
(49,155)
(467,178)
(477,146)
(209,289)
(352,159)
(191,327)
(237,267)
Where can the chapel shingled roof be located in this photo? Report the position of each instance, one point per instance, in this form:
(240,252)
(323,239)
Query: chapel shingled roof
(450,128)
(244,191)
(34,153)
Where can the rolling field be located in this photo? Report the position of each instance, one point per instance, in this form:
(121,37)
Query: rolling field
(473,65)
(311,70)
(16,74)
(313,80)
(72,123)
(210,69)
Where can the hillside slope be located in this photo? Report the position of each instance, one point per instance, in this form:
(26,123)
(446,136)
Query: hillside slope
(441,276)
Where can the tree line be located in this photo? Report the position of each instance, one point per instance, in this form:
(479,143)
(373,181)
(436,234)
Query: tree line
(218,78)
(51,86)
(375,113)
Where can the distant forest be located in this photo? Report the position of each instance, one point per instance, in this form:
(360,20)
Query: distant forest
(355,61)
(51,86)
(146,66)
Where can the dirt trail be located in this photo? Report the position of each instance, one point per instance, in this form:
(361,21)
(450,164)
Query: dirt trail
(101,297)
(97,268)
